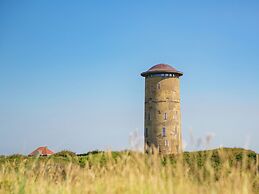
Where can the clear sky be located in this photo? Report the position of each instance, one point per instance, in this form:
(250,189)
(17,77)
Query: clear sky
(70,71)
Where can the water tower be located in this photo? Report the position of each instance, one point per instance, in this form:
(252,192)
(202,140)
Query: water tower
(162,109)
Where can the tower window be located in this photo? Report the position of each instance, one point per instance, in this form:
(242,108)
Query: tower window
(163,132)
(166,143)
(165,116)
(174,133)
(175,115)
(149,116)
(146,132)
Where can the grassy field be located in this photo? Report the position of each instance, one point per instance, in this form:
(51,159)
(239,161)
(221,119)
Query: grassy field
(221,171)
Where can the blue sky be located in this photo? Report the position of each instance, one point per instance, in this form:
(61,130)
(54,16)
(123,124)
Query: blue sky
(70,71)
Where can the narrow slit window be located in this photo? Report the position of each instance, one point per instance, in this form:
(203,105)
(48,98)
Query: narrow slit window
(149,116)
(174,133)
(146,132)
(165,116)
(163,132)
(175,115)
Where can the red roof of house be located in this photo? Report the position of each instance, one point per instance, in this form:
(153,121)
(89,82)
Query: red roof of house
(41,151)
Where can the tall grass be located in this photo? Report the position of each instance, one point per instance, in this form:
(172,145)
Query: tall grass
(129,172)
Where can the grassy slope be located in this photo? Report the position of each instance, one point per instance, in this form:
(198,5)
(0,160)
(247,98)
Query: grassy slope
(234,156)
(227,169)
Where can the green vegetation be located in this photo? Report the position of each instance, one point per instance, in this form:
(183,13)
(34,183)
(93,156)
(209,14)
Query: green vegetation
(224,170)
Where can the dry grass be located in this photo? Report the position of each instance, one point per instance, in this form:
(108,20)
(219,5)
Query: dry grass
(129,173)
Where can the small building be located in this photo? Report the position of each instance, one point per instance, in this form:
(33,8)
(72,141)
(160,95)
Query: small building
(41,151)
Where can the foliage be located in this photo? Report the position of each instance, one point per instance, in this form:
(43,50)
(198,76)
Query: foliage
(65,153)
(224,170)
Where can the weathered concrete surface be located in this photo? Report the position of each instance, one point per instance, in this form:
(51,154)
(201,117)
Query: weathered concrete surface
(162,110)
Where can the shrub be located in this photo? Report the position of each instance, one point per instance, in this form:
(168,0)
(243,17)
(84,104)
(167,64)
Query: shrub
(65,153)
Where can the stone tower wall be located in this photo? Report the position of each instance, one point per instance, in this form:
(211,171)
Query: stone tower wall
(163,115)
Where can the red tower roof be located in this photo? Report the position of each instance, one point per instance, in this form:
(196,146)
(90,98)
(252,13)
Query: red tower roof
(161,68)
(41,151)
